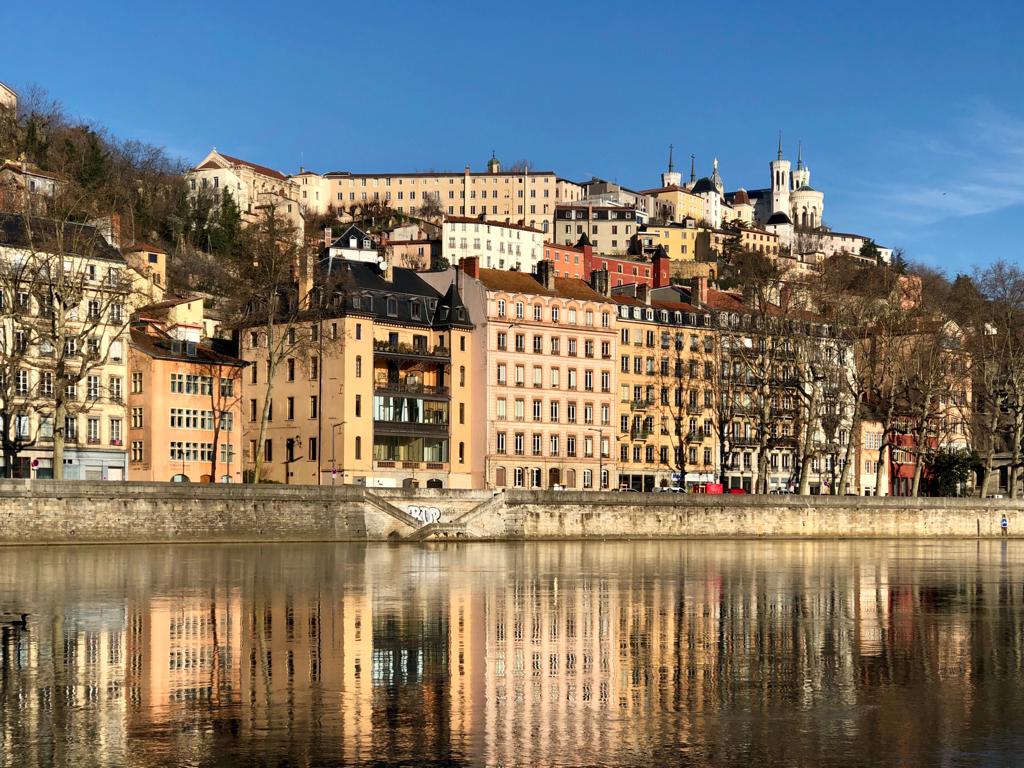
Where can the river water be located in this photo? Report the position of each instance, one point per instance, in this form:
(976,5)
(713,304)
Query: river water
(697,653)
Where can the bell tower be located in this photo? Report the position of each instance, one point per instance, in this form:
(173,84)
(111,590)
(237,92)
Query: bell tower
(782,182)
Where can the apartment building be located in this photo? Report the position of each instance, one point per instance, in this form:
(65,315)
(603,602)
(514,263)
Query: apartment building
(377,393)
(608,227)
(665,410)
(89,349)
(517,196)
(551,350)
(496,244)
(184,405)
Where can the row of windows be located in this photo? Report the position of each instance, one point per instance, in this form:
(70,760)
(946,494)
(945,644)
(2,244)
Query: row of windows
(555,377)
(554,316)
(573,412)
(534,477)
(495,178)
(587,446)
(572,347)
(44,429)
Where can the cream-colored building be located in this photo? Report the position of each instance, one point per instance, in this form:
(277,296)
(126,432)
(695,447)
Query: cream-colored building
(93,349)
(496,244)
(251,186)
(8,97)
(524,197)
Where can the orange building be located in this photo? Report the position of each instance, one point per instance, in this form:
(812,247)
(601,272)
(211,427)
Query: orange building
(184,407)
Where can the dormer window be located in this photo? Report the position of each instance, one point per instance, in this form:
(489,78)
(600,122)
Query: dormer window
(392,306)
(366,242)
(414,310)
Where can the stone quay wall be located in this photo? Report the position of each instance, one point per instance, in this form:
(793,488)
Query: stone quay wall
(50,512)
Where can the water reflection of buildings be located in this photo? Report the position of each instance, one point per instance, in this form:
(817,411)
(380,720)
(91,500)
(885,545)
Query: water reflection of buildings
(487,655)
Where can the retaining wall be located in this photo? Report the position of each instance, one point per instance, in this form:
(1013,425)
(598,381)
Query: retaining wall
(41,512)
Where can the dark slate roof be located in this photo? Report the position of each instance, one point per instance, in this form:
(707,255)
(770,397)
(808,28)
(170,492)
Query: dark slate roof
(805,188)
(704,185)
(363,289)
(164,347)
(752,194)
(79,239)
(778,218)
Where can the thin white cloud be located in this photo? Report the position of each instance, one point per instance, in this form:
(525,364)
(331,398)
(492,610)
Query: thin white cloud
(977,169)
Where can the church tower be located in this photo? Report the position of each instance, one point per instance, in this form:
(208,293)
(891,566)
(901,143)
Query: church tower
(672,177)
(802,174)
(782,182)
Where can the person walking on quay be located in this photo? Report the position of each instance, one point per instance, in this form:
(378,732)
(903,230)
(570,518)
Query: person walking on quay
(1004,524)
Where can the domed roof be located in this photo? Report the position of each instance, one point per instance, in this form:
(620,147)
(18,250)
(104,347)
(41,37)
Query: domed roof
(740,197)
(778,218)
(805,188)
(704,185)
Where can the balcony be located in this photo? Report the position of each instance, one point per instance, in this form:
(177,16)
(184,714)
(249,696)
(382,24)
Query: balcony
(639,434)
(640,405)
(409,428)
(410,387)
(410,351)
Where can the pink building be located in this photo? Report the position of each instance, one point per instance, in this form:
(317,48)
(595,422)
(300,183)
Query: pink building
(551,347)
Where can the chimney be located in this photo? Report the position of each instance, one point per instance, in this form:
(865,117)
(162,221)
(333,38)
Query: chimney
(641,293)
(546,274)
(698,291)
(471,266)
(785,294)
(660,265)
(115,229)
(599,281)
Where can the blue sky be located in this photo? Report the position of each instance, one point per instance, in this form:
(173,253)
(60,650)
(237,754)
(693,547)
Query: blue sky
(911,115)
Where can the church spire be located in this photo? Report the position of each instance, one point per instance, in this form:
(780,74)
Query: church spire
(780,144)
(671,165)
(799,155)
(693,170)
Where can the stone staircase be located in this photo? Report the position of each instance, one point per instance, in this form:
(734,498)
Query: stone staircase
(439,531)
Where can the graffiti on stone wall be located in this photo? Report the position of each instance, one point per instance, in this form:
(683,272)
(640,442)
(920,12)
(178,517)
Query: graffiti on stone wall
(424,514)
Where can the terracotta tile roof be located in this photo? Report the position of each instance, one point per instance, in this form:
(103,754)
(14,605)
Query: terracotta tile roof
(669,188)
(30,168)
(526,282)
(238,161)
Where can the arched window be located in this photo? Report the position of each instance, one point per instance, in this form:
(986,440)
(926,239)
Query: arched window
(499,477)
(570,478)
(359,448)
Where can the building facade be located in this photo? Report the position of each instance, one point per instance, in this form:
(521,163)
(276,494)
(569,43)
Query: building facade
(375,393)
(184,407)
(551,346)
(496,244)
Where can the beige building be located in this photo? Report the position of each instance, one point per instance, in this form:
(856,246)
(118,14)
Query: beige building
(551,346)
(378,394)
(525,197)
(609,228)
(665,410)
(92,349)
(8,97)
(251,186)
(496,244)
